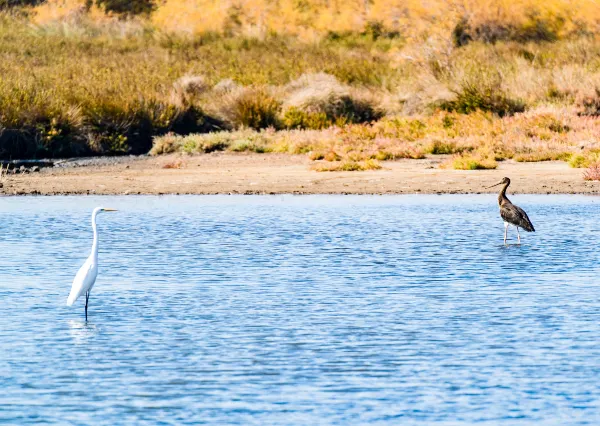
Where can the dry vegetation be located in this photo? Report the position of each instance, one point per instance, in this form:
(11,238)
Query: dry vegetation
(478,140)
(593,172)
(3,174)
(351,84)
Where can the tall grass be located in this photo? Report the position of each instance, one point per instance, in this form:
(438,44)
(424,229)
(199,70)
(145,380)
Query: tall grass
(488,20)
(79,81)
(3,174)
(88,89)
(478,140)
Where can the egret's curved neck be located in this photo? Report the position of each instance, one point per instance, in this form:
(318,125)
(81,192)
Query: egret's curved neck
(95,244)
(502,195)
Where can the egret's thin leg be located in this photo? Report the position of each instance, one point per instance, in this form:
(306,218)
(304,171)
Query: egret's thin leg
(518,235)
(87,298)
(505,231)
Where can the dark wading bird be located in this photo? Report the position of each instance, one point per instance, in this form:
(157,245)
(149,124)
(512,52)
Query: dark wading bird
(511,214)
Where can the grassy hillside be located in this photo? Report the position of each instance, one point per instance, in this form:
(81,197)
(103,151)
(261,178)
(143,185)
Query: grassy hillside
(482,80)
(412,19)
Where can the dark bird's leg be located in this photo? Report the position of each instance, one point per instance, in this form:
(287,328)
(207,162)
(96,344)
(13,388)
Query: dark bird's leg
(505,231)
(518,235)
(87,298)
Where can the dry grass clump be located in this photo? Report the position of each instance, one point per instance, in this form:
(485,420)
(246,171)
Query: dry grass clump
(535,156)
(255,108)
(482,93)
(238,107)
(593,172)
(224,87)
(188,89)
(473,162)
(313,101)
(167,144)
(236,141)
(533,28)
(315,80)
(348,166)
(65,12)
(317,101)
(590,104)
(175,164)
(328,156)
(439,147)
(3,174)
(584,159)
(53,11)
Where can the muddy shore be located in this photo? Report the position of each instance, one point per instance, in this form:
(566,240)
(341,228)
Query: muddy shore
(226,173)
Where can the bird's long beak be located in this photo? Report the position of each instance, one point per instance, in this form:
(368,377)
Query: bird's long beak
(110,210)
(488,187)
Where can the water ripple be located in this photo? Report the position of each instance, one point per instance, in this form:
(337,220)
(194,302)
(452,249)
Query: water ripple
(301,310)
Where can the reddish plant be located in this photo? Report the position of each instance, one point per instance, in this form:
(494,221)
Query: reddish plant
(593,172)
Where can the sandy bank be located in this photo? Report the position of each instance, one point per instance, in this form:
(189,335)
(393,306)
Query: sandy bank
(221,173)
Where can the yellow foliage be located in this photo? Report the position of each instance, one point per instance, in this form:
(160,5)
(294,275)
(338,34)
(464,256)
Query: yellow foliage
(409,17)
(312,18)
(191,16)
(62,10)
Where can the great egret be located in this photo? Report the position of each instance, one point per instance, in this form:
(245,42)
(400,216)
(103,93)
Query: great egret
(86,277)
(510,213)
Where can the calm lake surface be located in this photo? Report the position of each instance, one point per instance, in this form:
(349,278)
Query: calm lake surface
(301,310)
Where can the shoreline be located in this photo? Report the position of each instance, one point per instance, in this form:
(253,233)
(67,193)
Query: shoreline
(252,174)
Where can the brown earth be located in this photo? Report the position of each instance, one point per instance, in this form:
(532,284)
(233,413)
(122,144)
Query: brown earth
(223,173)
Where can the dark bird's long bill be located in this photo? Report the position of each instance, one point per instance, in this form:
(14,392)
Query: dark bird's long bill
(499,183)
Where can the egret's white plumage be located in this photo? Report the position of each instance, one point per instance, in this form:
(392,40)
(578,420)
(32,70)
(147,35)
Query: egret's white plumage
(86,276)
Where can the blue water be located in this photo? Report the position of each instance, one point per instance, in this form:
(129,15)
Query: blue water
(301,311)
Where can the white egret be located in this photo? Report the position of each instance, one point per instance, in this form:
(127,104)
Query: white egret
(86,277)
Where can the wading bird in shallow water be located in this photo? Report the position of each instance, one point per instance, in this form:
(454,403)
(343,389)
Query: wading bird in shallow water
(86,277)
(511,214)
